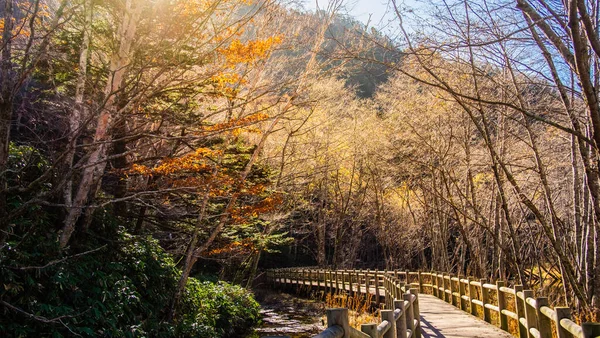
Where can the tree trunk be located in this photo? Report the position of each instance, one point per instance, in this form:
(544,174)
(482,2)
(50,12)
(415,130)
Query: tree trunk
(6,109)
(75,121)
(94,167)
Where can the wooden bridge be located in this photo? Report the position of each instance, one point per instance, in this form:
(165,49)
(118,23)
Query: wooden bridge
(433,305)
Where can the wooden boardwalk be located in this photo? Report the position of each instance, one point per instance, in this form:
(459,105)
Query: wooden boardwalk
(438,318)
(445,304)
(442,320)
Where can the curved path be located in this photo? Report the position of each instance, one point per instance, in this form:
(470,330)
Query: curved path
(442,320)
(438,318)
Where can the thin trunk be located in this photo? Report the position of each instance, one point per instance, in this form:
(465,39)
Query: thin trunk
(97,159)
(576,192)
(6,109)
(76,119)
(189,258)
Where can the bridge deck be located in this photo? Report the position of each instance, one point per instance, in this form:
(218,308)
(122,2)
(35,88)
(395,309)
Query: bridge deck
(442,320)
(438,318)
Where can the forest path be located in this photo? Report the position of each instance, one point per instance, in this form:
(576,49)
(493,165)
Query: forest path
(439,319)
(442,320)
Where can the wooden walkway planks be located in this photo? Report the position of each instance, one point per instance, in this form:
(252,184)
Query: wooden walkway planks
(442,320)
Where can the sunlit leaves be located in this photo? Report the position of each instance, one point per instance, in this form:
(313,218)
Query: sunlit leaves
(239,52)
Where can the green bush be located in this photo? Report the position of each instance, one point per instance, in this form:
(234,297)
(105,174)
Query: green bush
(230,309)
(120,291)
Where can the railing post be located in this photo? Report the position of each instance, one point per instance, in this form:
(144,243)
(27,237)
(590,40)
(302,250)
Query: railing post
(307,279)
(393,292)
(409,318)
(370,330)
(396,291)
(330,282)
(451,290)
(434,288)
(389,316)
(420,281)
(472,296)
(391,289)
(501,306)
(352,276)
(461,293)
(520,310)
(544,324)
(416,313)
(485,300)
(339,317)
(561,312)
(444,285)
(377,296)
(590,330)
(388,286)
(530,312)
(357,282)
(318,279)
(349,280)
(349,273)
(401,323)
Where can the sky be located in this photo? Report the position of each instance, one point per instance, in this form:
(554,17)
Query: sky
(364,10)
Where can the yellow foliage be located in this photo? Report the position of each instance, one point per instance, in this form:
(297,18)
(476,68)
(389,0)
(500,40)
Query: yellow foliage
(239,52)
(481,178)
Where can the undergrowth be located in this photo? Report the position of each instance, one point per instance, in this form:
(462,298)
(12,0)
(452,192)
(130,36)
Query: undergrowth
(358,305)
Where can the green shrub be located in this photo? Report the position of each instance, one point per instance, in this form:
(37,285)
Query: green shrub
(230,309)
(120,291)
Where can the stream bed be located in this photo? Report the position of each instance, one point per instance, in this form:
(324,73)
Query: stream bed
(287,316)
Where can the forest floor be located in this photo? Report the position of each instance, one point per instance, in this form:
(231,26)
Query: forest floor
(287,315)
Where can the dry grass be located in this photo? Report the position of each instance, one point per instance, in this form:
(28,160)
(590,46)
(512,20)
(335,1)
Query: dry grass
(359,308)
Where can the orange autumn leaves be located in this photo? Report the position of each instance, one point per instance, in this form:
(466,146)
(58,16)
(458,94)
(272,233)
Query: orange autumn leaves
(236,124)
(250,51)
(192,162)
(214,170)
(236,247)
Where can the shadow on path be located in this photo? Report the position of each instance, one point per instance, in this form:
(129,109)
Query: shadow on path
(428,331)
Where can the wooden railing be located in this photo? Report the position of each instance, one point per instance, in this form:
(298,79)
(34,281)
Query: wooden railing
(492,302)
(533,316)
(402,320)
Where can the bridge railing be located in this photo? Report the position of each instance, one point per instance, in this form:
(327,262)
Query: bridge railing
(533,316)
(402,320)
